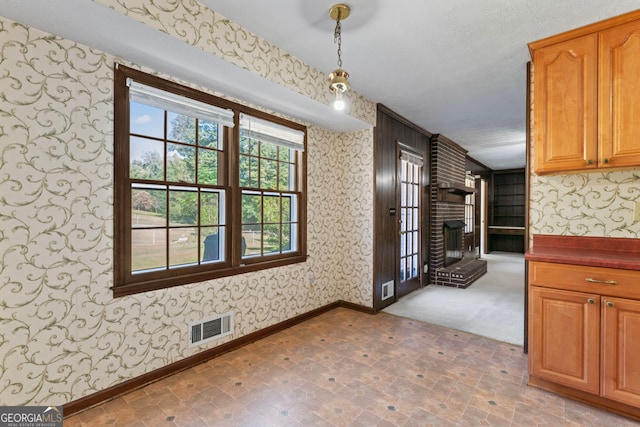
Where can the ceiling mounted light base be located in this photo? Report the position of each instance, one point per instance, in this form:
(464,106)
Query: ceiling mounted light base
(339,12)
(338,80)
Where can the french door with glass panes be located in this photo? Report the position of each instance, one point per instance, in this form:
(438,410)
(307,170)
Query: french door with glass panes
(409,184)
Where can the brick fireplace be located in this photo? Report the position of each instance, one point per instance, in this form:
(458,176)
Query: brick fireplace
(453,235)
(448,265)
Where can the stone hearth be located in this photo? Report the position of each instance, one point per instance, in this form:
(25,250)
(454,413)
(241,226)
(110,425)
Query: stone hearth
(461,274)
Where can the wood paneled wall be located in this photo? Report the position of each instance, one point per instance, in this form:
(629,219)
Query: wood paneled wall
(391,130)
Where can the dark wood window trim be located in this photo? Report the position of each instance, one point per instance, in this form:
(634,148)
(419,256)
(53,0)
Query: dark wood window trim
(125,283)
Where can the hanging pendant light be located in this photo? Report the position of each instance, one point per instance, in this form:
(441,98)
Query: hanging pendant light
(338,79)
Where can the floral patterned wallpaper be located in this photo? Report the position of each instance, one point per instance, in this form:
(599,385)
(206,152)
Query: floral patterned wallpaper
(598,204)
(199,26)
(62,334)
(593,204)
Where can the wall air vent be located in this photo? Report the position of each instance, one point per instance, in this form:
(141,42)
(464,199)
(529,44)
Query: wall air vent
(387,290)
(209,329)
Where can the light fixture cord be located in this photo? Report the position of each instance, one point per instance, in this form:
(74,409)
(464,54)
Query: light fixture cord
(337,38)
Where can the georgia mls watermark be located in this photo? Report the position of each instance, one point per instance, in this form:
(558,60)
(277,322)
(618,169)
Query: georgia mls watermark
(31,416)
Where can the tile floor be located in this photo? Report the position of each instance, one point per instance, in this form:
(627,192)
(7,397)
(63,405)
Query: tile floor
(346,368)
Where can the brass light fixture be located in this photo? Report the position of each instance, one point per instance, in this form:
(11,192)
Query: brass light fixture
(338,82)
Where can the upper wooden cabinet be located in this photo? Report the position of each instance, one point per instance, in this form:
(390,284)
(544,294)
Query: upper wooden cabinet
(587,97)
(619,96)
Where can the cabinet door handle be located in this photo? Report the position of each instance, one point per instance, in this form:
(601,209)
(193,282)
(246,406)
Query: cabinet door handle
(609,304)
(606,161)
(591,301)
(602,282)
(589,162)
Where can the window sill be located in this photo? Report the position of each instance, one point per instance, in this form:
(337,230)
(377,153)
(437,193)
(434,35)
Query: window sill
(140,286)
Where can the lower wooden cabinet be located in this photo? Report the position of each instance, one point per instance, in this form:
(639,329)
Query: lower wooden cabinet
(584,334)
(621,350)
(565,339)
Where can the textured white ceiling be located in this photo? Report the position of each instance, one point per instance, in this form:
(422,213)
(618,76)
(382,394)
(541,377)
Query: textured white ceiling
(453,67)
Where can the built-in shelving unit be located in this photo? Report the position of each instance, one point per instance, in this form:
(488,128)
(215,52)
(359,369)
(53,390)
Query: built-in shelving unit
(506,228)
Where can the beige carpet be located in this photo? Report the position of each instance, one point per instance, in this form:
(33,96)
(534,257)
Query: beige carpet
(491,307)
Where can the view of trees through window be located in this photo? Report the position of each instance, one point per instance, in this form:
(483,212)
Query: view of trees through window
(177,195)
(177,198)
(268,200)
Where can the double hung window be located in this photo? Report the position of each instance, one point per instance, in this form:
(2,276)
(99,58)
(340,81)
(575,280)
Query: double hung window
(204,187)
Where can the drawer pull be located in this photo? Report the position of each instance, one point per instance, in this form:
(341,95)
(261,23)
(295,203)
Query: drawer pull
(609,304)
(603,282)
(591,301)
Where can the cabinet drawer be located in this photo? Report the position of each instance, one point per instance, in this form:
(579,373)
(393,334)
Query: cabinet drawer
(597,280)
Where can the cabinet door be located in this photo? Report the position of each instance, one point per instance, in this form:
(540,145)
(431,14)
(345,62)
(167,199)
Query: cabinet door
(619,96)
(565,96)
(621,350)
(564,334)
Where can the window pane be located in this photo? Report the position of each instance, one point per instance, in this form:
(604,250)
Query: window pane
(146,120)
(415,218)
(183,248)
(403,219)
(403,244)
(181,163)
(271,238)
(146,159)
(284,154)
(272,209)
(209,134)
(249,146)
(403,194)
(183,207)
(244,171)
(287,237)
(268,174)
(251,209)
(181,128)
(212,239)
(207,166)
(253,176)
(148,249)
(268,150)
(286,209)
(248,172)
(148,208)
(284,179)
(253,238)
(210,208)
